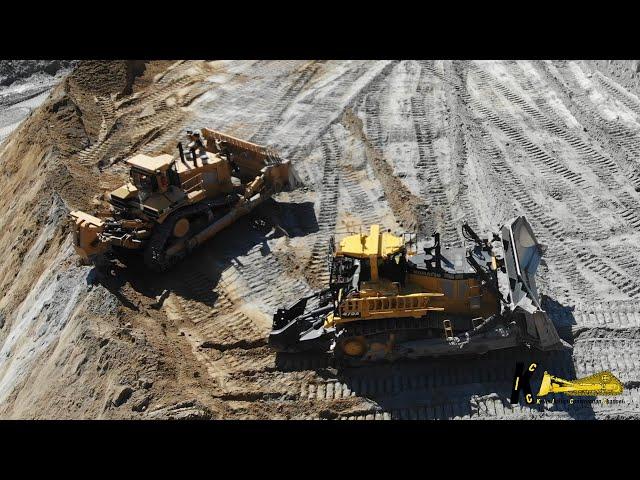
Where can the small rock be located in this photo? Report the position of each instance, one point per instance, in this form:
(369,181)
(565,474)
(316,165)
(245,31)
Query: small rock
(122,394)
(145,383)
(141,405)
(181,333)
(128,325)
(160,299)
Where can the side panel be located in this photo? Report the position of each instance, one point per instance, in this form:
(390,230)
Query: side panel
(462,296)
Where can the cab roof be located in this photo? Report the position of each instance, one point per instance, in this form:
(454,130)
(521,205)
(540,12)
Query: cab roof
(376,243)
(149,164)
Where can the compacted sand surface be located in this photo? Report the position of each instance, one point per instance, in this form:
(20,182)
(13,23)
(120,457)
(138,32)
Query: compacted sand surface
(411,145)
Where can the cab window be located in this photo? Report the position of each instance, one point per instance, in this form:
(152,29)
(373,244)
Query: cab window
(144,181)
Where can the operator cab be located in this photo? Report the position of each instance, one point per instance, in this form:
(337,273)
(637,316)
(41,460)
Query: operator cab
(370,261)
(153,174)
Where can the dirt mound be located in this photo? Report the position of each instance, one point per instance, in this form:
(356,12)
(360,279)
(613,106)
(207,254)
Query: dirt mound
(105,77)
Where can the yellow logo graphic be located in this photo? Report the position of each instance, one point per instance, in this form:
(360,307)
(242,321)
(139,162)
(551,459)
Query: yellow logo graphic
(603,383)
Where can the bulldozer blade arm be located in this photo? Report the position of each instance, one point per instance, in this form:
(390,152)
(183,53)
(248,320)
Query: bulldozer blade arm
(522,256)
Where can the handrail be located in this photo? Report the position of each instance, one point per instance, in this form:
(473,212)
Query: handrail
(373,305)
(198,183)
(268,153)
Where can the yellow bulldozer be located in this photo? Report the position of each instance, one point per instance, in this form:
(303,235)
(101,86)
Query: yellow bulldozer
(172,204)
(386,301)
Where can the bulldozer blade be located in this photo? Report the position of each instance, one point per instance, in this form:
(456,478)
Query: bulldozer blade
(86,230)
(522,256)
(251,158)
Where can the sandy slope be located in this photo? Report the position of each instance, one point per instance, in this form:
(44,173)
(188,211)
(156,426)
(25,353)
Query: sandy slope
(409,144)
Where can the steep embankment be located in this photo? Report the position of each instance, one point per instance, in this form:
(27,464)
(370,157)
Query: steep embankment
(67,346)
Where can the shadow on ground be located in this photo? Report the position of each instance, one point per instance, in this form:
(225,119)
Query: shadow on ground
(197,277)
(446,388)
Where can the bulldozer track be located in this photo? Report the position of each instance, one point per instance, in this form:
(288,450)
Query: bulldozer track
(199,301)
(431,187)
(459,151)
(540,158)
(612,314)
(230,327)
(630,212)
(605,169)
(588,116)
(369,101)
(628,99)
(626,260)
(268,281)
(168,120)
(624,282)
(94,152)
(425,389)
(558,130)
(431,392)
(231,330)
(438,390)
(547,163)
(493,407)
(594,263)
(306,74)
(371,113)
(551,226)
(616,351)
(328,210)
(360,204)
(430,375)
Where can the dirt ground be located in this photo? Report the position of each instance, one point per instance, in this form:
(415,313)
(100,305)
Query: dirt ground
(411,145)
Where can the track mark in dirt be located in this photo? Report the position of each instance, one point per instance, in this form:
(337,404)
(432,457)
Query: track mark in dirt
(407,207)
